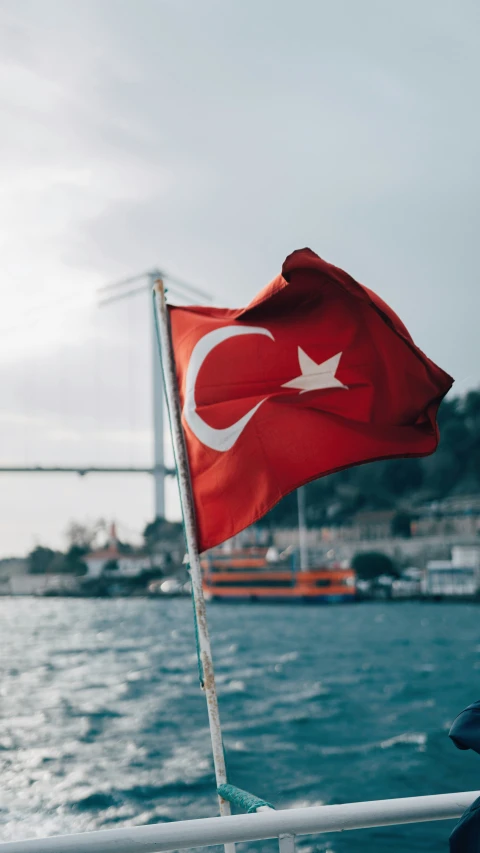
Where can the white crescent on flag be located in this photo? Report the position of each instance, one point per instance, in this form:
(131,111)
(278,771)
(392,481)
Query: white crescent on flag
(216,439)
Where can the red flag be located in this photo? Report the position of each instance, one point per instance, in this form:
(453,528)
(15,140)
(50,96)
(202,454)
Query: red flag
(315,375)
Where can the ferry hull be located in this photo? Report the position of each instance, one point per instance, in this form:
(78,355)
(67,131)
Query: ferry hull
(276,599)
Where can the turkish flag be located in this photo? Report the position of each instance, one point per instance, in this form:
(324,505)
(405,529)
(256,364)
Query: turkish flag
(315,375)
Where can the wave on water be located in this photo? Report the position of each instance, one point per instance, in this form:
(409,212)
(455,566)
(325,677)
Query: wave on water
(105,725)
(418,739)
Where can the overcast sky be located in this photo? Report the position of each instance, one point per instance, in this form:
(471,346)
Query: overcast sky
(213,138)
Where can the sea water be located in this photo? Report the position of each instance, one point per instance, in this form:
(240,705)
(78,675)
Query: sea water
(102,723)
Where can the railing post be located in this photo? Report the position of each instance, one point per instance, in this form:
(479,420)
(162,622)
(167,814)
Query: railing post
(286,843)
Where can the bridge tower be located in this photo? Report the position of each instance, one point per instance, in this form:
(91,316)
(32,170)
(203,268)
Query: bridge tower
(180,290)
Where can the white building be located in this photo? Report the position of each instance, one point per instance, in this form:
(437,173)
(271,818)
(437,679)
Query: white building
(443,579)
(110,561)
(466,555)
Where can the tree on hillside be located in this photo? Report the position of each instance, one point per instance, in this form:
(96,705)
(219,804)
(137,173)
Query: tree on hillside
(74,562)
(401,524)
(161,530)
(85,535)
(401,476)
(40,560)
(471,409)
(372,564)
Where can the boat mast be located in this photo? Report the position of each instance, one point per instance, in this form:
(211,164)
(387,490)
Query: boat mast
(302,529)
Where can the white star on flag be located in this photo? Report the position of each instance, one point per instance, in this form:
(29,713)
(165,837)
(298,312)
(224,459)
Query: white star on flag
(315,377)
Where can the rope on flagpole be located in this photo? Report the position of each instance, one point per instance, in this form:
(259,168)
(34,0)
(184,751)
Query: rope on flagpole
(195,625)
(243,799)
(197,645)
(188,512)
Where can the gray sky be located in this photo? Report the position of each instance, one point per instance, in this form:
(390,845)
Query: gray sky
(213,138)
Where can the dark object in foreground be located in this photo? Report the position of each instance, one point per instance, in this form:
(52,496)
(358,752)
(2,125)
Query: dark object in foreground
(465,733)
(465,730)
(465,838)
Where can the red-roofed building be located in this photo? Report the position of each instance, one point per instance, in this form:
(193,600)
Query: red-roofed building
(112,559)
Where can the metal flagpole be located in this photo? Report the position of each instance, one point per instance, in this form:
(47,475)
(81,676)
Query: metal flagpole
(186,499)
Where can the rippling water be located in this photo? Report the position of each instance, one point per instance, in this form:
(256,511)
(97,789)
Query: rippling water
(102,723)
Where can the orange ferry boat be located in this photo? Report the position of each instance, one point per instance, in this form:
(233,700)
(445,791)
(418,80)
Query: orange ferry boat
(247,574)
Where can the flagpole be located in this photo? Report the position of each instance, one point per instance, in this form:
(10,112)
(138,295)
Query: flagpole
(188,512)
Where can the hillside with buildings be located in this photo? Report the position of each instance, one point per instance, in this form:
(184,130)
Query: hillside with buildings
(98,562)
(411,511)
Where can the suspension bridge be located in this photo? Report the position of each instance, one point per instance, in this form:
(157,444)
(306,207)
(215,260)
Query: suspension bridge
(126,289)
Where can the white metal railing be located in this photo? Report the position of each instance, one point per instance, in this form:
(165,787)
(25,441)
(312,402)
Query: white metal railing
(284,825)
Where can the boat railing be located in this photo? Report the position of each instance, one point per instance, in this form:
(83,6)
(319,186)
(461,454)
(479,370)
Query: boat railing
(263,823)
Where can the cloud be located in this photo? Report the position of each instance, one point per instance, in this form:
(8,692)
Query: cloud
(212,139)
